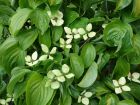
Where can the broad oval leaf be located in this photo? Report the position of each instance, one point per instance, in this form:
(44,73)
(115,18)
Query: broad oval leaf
(136,8)
(77,65)
(36,92)
(88,54)
(90,76)
(18,20)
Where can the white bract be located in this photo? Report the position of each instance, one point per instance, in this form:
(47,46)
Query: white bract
(89,33)
(134,77)
(57,18)
(6,101)
(65,44)
(48,54)
(120,85)
(71,33)
(84,97)
(56,76)
(32,60)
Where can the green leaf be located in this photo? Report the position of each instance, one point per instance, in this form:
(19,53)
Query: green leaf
(109,99)
(35,3)
(119,34)
(103,60)
(88,54)
(90,76)
(79,23)
(97,19)
(57,33)
(122,68)
(41,19)
(136,8)
(77,65)
(70,16)
(16,77)
(23,3)
(18,20)
(45,38)
(26,38)
(127,102)
(36,92)
(135,90)
(11,55)
(134,57)
(121,4)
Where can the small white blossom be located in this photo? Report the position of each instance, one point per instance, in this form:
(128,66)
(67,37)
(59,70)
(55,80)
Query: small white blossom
(57,18)
(104,25)
(65,44)
(120,85)
(134,77)
(6,101)
(89,33)
(32,60)
(48,54)
(56,76)
(84,97)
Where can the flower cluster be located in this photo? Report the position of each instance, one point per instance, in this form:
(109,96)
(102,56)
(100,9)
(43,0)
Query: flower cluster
(6,101)
(134,77)
(84,97)
(57,18)
(48,54)
(120,85)
(32,60)
(56,76)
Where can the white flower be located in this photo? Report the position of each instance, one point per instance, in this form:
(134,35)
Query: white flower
(56,76)
(120,85)
(89,33)
(104,25)
(70,34)
(84,97)
(32,60)
(65,44)
(6,101)
(56,19)
(134,77)
(81,31)
(48,54)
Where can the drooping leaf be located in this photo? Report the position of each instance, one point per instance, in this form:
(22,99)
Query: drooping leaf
(36,92)
(88,54)
(18,20)
(90,76)
(77,65)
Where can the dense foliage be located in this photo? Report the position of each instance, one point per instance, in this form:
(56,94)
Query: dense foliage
(69,52)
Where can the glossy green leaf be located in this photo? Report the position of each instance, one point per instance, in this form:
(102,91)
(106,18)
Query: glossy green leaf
(77,65)
(41,20)
(88,54)
(122,68)
(36,92)
(90,76)
(18,20)
(35,3)
(121,4)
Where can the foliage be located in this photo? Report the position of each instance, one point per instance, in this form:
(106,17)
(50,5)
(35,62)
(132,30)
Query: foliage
(69,52)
